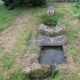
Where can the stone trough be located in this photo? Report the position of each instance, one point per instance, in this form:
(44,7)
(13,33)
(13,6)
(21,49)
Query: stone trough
(51,40)
(52,56)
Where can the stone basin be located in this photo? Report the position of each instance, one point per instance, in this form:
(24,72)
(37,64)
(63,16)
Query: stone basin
(52,56)
(51,30)
(51,41)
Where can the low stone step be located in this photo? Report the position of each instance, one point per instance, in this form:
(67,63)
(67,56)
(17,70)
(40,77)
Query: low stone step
(51,31)
(51,41)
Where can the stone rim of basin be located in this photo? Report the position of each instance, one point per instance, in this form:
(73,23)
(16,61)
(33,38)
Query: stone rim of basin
(51,31)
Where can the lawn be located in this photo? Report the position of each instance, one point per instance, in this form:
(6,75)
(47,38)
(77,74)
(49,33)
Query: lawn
(6,16)
(18,35)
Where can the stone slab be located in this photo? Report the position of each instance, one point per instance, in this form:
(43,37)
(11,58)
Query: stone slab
(51,41)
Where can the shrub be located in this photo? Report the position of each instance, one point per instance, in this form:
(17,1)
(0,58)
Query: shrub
(11,4)
(77,4)
(78,15)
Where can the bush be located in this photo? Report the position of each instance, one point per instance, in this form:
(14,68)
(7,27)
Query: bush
(77,4)
(78,15)
(11,4)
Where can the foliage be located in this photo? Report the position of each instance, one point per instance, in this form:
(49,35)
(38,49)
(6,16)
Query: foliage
(50,20)
(1,77)
(77,15)
(76,11)
(7,61)
(64,0)
(77,4)
(11,4)
(18,75)
(6,17)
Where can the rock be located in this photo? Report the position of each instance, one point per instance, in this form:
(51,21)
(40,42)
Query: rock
(34,69)
(51,31)
(50,11)
(51,41)
(44,72)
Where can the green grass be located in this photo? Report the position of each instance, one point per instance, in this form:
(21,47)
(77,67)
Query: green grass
(1,48)
(57,77)
(6,16)
(1,77)
(68,13)
(18,75)
(7,61)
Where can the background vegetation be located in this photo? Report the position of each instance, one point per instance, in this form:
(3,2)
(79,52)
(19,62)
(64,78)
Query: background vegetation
(64,0)
(10,4)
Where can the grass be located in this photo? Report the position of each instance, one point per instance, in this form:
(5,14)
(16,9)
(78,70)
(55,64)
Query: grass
(1,77)
(9,61)
(18,75)
(6,16)
(1,48)
(22,41)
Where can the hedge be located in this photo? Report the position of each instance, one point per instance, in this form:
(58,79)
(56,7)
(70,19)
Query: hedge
(11,4)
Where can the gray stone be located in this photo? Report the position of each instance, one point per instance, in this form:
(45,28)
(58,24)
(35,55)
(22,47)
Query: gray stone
(50,11)
(51,41)
(52,56)
(52,30)
(34,69)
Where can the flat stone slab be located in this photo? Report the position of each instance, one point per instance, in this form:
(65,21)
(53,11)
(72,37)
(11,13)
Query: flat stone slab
(51,41)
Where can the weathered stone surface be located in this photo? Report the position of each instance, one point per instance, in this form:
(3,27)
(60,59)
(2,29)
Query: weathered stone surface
(52,56)
(51,41)
(51,31)
(50,11)
(34,69)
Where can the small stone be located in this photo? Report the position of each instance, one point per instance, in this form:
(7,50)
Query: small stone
(50,11)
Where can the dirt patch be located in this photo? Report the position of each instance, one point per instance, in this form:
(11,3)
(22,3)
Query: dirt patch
(60,3)
(8,39)
(31,56)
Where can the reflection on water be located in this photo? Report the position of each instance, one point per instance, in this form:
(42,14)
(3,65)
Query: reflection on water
(52,56)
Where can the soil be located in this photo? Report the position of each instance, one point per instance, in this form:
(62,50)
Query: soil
(60,3)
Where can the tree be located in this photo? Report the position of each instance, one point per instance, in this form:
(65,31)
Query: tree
(11,4)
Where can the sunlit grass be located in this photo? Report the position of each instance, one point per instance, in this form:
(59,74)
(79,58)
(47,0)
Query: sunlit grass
(6,16)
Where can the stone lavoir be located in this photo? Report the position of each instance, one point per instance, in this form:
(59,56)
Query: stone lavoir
(51,40)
